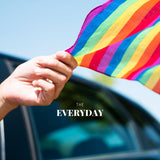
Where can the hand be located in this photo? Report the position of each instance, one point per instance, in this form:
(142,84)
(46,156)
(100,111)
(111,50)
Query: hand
(38,81)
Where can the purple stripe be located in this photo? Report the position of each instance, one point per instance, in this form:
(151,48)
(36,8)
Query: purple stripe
(89,18)
(157,62)
(106,59)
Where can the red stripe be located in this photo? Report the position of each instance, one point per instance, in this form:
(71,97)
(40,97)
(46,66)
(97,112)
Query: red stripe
(153,14)
(153,58)
(157,87)
(135,20)
(97,58)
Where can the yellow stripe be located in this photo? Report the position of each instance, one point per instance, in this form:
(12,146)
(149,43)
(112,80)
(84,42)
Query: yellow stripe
(79,59)
(140,50)
(118,25)
(153,79)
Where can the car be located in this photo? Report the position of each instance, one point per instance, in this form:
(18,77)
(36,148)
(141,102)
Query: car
(72,128)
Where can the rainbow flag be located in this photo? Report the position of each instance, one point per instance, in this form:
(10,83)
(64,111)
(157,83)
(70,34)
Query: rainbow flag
(121,38)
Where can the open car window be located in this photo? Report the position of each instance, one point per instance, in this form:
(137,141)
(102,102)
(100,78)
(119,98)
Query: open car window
(64,136)
(121,129)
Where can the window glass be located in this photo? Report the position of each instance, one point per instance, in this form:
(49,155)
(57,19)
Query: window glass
(148,128)
(64,136)
(153,137)
(3,71)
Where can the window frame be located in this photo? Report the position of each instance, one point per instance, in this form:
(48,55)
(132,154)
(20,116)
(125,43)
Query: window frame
(2,141)
(142,155)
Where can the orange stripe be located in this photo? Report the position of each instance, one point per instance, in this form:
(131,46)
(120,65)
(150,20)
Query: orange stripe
(87,60)
(134,21)
(146,56)
(157,87)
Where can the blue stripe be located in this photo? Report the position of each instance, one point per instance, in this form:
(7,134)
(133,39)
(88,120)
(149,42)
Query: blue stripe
(141,74)
(158,20)
(152,69)
(121,51)
(119,54)
(95,23)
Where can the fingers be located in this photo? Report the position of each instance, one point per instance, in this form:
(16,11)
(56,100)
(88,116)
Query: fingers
(52,72)
(62,62)
(67,59)
(46,93)
(54,76)
(59,88)
(50,78)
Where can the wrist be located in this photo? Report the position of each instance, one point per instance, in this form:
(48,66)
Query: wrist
(5,105)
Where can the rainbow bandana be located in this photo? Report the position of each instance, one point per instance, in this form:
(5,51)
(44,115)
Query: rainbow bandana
(121,38)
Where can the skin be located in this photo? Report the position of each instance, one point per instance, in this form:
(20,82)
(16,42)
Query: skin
(36,82)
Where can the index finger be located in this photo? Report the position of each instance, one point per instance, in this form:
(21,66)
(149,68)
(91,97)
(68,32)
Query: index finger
(66,58)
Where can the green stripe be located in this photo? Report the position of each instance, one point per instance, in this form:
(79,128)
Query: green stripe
(130,51)
(102,29)
(145,77)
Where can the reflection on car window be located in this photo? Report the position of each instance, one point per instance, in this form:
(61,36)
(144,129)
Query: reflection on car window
(148,128)
(62,137)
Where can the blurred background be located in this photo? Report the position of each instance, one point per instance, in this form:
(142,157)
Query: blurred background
(42,27)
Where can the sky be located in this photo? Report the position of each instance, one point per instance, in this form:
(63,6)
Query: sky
(43,27)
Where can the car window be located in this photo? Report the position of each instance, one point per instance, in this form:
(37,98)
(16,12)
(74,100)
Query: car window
(148,127)
(4,73)
(64,136)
